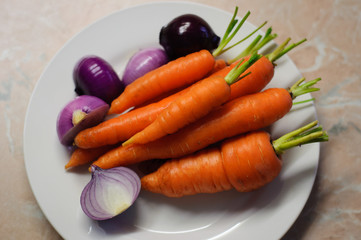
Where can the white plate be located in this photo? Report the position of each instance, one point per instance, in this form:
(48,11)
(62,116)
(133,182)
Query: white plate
(267,213)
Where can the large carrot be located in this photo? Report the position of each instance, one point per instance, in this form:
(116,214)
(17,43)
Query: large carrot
(126,125)
(245,162)
(201,98)
(178,73)
(241,115)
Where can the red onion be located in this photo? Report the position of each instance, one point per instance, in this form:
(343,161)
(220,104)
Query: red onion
(142,62)
(80,113)
(96,77)
(109,192)
(186,34)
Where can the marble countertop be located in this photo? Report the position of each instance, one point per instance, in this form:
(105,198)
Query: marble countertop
(33,31)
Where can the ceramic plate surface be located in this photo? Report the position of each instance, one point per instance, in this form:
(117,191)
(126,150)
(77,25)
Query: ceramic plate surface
(264,214)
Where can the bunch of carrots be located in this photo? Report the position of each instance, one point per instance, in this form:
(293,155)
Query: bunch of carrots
(208,123)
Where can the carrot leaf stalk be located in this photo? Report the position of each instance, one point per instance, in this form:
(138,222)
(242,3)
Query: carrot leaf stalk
(234,75)
(248,36)
(283,49)
(304,101)
(266,39)
(304,135)
(255,45)
(298,89)
(273,56)
(230,32)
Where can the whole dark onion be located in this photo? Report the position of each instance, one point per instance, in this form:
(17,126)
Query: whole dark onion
(94,76)
(186,34)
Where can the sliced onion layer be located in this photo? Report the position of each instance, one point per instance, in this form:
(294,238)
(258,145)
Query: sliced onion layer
(109,192)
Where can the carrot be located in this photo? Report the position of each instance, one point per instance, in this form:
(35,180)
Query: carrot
(245,163)
(83,156)
(197,102)
(173,75)
(241,115)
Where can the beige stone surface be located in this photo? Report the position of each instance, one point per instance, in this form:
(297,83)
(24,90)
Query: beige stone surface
(33,31)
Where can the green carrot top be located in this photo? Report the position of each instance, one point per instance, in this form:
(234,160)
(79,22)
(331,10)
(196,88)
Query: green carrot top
(304,135)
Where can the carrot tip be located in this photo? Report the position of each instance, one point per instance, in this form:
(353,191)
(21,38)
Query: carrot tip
(111,110)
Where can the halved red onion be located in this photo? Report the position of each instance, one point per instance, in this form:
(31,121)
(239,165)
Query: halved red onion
(109,192)
(80,113)
(96,77)
(143,62)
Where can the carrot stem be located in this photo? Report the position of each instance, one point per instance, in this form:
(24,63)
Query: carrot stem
(304,101)
(266,39)
(233,75)
(283,49)
(248,50)
(273,55)
(244,39)
(301,136)
(290,47)
(255,45)
(230,32)
(297,89)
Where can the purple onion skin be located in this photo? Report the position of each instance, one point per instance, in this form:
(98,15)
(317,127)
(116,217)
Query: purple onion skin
(186,34)
(143,62)
(94,76)
(95,108)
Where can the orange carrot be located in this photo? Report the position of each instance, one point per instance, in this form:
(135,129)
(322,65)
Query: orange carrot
(241,115)
(219,64)
(245,162)
(197,102)
(83,156)
(175,74)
